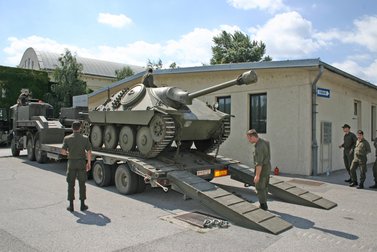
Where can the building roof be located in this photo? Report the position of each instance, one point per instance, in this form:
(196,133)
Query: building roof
(43,60)
(246,66)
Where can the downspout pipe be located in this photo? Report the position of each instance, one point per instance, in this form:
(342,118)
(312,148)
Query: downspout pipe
(314,123)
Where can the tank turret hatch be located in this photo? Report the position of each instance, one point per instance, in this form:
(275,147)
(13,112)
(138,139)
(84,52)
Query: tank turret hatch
(133,95)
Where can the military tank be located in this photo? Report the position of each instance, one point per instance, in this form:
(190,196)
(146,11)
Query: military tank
(141,121)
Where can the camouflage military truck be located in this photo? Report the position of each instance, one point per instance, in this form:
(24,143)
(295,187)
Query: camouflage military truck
(4,127)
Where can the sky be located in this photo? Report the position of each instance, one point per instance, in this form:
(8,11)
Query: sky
(342,33)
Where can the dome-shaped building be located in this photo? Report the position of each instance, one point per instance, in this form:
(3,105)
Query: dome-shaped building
(96,73)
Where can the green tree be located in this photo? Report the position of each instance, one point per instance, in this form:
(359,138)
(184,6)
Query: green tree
(123,73)
(173,65)
(155,65)
(12,80)
(237,47)
(67,82)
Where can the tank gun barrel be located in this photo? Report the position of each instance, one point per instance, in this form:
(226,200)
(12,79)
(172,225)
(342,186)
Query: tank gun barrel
(246,78)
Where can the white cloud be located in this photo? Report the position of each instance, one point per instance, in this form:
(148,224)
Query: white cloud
(194,48)
(117,21)
(351,66)
(287,35)
(364,33)
(271,6)
(191,49)
(18,46)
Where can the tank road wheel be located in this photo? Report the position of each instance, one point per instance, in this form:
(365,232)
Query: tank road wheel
(13,147)
(96,136)
(158,128)
(144,140)
(126,181)
(127,138)
(101,174)
(110,137)
(204,145)
(30,147)
(40,155)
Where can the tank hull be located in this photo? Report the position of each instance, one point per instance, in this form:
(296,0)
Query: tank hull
(144,121)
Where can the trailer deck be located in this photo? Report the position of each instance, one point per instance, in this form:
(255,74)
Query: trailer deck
(190,172)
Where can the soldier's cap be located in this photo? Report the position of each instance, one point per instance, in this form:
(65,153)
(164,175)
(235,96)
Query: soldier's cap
(360,132)
(76,125)
(346,126)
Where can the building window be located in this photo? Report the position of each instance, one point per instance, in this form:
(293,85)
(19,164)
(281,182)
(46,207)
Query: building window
(224,104)
(355,108)
(373,120)
(357,113)
(258,112)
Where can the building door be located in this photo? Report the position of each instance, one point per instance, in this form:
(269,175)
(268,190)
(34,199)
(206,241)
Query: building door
(357,114)
(326,148)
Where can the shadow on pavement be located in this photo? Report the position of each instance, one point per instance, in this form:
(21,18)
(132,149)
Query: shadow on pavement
(90,218)
(303,223)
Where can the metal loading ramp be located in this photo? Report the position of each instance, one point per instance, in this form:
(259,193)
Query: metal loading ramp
(226,204)
(281,189)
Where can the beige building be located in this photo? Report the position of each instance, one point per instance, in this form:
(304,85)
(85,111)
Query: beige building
(96,73)
(298,105)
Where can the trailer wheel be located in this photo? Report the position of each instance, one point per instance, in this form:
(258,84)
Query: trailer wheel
(30,147)
(15,151)
(40,155)
(126,181)
(101,174)
(140,184)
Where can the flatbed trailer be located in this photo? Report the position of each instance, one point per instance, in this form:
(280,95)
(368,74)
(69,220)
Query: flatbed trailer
(190,173)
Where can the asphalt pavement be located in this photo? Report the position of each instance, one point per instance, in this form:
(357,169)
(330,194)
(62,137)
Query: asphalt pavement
(33,216)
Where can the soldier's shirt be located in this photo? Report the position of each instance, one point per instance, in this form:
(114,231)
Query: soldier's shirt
(349,141)
(362,149)
(76,144)
(262,156)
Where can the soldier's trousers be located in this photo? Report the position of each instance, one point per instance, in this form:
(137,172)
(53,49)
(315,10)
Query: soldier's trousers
(375,171)
(262,188)
(76,169)
(362,162)
(347,158)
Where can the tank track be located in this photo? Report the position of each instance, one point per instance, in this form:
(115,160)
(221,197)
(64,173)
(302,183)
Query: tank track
(157,147)
(225,134)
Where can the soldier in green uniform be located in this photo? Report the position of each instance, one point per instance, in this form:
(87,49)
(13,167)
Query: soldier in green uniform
(348,145)
(147,79)
(375,167)
(79,151)
(360,159)
(262,166)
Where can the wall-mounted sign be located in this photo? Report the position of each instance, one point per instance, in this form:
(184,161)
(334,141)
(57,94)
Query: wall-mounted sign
(323,92)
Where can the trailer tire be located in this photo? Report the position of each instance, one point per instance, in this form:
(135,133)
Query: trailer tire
(40,155)
(126,181)
(30,147)
(15,151)
(101,173)
(140,184)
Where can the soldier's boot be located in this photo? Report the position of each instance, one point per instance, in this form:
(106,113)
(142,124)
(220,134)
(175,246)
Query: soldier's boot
(83,206)
(361,185)
(264,206)
(70,207)
(374,186)
(353,183)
